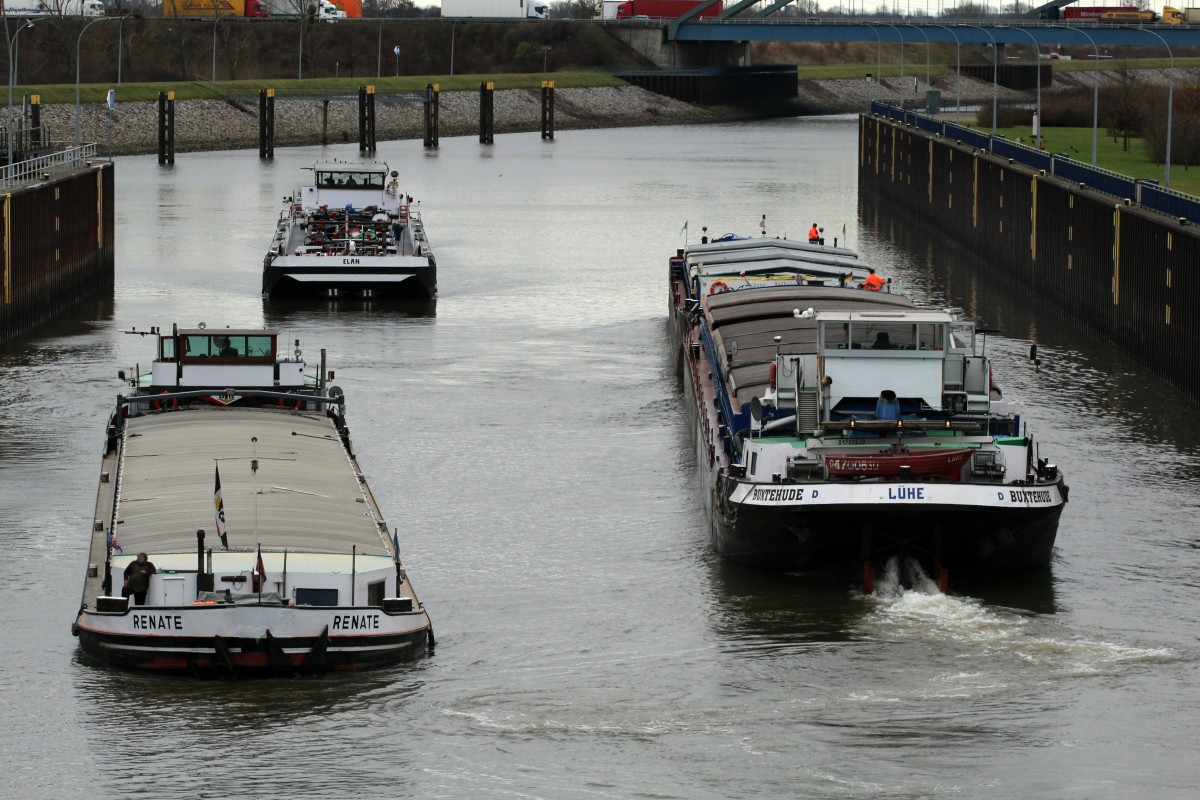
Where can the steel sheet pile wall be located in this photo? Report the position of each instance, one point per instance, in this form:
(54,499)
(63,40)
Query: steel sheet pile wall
(1129,274)
(56,238)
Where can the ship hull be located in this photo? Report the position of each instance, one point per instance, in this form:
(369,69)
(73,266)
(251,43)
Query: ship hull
(284,279)
(249,641)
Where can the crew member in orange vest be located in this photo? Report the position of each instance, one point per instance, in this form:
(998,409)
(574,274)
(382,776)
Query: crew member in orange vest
(814,234)
(873,282)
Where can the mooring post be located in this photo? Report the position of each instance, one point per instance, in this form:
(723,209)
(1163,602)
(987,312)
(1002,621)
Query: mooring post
(35,120)
(432,95)
(266,123)
(366,119)
(371,116)
(166,127)
(486,113)
(547,109)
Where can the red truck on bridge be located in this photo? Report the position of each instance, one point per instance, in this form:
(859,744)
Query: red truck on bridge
(663,9)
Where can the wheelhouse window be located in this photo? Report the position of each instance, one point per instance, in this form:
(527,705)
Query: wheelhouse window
(222,345)
(357,180)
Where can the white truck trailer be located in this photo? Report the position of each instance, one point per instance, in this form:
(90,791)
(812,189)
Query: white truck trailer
(496,9)
(52,8)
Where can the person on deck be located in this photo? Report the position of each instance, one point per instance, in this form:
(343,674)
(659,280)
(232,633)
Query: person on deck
(137,579)
(873,282)
(814,234)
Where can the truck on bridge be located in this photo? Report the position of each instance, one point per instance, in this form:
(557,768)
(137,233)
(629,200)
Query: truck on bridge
(496,9)
(663,9)
(1116,15)
(52,8)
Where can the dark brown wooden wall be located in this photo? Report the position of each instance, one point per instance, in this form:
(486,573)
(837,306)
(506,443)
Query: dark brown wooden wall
(1130,275)
(56,240)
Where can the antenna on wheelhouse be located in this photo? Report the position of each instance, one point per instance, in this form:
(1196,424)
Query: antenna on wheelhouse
(254,478)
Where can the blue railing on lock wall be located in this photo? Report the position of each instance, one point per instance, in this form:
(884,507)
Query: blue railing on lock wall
(1147,194)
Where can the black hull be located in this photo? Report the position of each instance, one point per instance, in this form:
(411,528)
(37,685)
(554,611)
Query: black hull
(961,538)
(406,286)
(246,658)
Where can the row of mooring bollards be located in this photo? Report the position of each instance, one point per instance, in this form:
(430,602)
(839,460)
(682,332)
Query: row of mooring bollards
(366,119)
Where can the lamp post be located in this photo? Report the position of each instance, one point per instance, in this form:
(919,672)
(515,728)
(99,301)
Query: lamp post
(452,24)
(1037,57)
(900,86)
(216,20)
(78,42)
(8,132)
(1095,84)
(957,75)
(927,53)
(300,57)
(545,57)
(379,53)
(120,42)
(995,69)
(878,47)
(1170,102)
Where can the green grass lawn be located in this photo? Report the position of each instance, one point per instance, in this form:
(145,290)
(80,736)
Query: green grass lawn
(204,90)
(1110,155)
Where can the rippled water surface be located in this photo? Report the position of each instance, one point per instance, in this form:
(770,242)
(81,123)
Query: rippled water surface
(526,436)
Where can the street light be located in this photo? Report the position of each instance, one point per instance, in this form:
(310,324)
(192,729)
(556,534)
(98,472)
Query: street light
(1095,85)
(1170,102)
(8,132)
(900,86)
(1037,57)
(216,20)
(452,24)
(995,69)
(300,58)
(78,42)
(878,47)
(957,75)
(927,53)
(545,57)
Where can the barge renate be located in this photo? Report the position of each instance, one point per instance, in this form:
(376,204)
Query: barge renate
(837,424)
(351,233)
(233,471)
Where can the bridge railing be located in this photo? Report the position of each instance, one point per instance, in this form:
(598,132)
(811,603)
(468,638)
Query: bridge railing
(1145,193)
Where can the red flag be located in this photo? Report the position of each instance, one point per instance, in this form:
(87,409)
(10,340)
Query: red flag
(260,574)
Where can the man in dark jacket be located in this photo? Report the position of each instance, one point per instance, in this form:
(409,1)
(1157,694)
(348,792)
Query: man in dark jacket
(137,579)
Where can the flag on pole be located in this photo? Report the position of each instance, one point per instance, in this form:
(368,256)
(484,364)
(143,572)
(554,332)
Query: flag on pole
(260,574)
(396,543)
(762,223)
(113,544)
(684,228)
(220,510)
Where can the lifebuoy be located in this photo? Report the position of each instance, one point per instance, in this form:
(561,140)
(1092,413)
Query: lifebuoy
(717,287)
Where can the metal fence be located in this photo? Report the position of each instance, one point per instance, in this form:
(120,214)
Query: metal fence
(64,156)
(1144,193)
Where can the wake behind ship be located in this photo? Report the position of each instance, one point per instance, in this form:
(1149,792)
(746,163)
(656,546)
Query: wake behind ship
(233,472)
(350,234)
(837,424)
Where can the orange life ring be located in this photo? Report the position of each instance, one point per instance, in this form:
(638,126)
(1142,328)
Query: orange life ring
(717,287)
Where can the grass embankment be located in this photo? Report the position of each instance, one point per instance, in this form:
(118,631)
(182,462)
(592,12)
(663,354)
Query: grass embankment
(1110,155)
(315,87)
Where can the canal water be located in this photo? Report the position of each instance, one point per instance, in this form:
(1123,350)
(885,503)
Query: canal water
(525,435)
